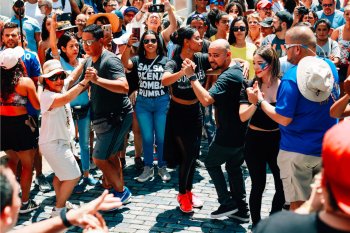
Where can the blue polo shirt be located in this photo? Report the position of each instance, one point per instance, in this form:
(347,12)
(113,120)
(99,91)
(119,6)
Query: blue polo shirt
(336,19)
(30,26)
(310,121)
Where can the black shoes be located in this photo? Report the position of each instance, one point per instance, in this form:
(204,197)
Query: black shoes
(224,210)
(240,216)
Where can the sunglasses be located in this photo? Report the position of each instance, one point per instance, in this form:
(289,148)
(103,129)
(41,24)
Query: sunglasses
(327,5)
(240,28)
(288,46)
(266,9)
(147,41)
(57,76)
(90,13)
(113,5)
(87,42)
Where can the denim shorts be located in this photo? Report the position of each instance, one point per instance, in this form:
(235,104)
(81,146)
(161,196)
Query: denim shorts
(109,143)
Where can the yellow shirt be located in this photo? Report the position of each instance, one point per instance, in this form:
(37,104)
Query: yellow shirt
(246,54)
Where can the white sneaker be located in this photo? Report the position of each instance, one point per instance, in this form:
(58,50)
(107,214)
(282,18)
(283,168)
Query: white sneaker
(71,206)
(148,172)
(55,213)
(164,174)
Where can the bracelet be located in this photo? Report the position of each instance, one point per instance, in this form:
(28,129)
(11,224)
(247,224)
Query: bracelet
(192,78)
(63,215)
(81,84)
(258,104)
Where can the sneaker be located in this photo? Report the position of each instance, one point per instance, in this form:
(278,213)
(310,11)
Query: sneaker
(80,188)
(195,200)
(164,174)
(44,186)
(148,172)
(240,216)
(54,212)
(139,164)
(90,181)
(123,196)
(71,206)
(123,161)
(30,206)
(184,203)
(224,210)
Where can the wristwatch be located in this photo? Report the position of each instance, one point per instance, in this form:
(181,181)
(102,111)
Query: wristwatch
(192,78)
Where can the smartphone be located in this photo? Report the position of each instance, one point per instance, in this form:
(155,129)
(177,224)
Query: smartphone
(157,8)
(64,17)
(136,32)
(107,28)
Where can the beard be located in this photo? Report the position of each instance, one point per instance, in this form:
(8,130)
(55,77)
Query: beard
(279,29)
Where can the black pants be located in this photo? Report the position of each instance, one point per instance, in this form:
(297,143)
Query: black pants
(262,148)
(183,133)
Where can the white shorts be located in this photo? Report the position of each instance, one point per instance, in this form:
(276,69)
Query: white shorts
(59,155)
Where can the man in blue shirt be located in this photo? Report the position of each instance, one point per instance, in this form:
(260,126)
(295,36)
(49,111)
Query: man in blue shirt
(303,120)
(329,12)
(30,26)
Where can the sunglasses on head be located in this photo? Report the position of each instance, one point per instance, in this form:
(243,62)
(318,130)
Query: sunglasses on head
(147,41)
(240,28)
(57,76)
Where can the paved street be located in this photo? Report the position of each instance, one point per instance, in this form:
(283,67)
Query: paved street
(153,207)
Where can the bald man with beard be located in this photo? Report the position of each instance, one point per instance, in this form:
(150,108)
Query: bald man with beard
(303,120)
(227,146)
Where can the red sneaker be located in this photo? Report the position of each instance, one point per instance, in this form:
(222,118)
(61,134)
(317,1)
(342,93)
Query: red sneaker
(184,203)
(195,200)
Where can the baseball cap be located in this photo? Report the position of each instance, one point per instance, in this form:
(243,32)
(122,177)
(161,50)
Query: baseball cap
(9,57)
(336,163)
(131,9)
(263,4)
(266,23)
(286,17)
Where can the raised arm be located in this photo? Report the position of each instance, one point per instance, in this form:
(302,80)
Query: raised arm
(173,24)
(53,38)
(127,63)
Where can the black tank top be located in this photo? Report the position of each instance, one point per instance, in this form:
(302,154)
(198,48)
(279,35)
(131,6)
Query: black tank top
(263,121)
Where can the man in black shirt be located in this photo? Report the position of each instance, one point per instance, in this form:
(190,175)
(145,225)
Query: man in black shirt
(110,106)
(227,146)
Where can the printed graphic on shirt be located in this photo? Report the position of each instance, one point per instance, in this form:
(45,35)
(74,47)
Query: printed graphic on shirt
(150,75)
(184,83)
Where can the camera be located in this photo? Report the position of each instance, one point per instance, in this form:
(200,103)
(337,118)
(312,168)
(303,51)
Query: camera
(157,8)
(302,10)
(64,17)
(19,4)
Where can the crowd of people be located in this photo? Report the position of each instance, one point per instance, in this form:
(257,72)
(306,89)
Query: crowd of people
(262,80)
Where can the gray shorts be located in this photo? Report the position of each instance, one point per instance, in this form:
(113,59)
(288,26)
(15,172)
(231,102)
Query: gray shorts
(110,142)
(297,172)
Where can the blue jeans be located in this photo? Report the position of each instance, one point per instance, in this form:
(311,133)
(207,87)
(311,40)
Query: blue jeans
(84,136)
(84,131)
(151,115)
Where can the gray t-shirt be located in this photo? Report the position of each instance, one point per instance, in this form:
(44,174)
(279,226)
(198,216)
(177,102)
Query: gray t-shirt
(103,101)
(330,48)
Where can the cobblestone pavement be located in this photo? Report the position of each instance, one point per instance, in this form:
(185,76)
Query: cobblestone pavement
(153,207)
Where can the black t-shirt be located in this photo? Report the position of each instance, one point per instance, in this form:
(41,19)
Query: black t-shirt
(260,118)
(289,222)
(226,92)
(103,101)
(182,87)
(150,77)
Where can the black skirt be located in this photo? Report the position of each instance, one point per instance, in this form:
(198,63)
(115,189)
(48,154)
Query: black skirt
(16,134)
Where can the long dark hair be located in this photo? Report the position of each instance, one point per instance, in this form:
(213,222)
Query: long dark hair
(63,41)
(44,32)
(232,4)
(215,16)
(178,37)
(10,78)
(232,38)
(142,51)
(271,57)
